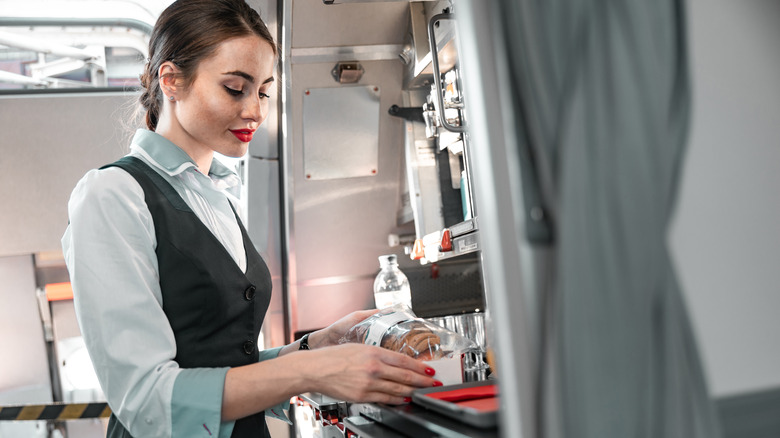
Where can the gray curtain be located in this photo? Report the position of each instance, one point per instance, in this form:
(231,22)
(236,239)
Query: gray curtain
(602,100)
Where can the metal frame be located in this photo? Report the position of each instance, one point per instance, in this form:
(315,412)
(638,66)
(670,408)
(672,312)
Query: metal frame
(93,56)
(377,52)
(498,195)
(289,272)
(437,72)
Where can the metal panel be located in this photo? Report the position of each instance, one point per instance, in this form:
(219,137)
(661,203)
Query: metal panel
(264,228)
(37,173)
(265,143)
(340,226)
(340,132)
(319,25)
(287,168)
(380,52)
(24,368)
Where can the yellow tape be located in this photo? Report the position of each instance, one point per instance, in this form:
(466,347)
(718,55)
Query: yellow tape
(72,412)
(30,412)
(55,412)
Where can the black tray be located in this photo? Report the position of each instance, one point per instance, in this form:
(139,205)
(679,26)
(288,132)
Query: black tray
(474,417)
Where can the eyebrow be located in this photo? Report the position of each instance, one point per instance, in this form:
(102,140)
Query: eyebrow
(247,76)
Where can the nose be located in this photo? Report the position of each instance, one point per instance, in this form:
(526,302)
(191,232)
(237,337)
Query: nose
(255,109)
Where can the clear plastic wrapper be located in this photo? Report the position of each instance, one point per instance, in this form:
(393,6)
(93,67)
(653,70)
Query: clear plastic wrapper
(397,328)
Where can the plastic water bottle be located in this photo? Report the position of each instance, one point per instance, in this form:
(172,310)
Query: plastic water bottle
(391,286)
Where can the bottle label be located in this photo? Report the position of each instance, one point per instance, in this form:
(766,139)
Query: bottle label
(378,329)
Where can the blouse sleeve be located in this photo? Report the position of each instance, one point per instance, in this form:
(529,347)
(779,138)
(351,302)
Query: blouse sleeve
(109,248)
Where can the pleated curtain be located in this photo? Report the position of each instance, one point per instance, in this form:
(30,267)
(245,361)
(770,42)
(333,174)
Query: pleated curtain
(602,98)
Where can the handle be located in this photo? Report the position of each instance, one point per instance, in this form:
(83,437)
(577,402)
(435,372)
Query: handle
(437,73)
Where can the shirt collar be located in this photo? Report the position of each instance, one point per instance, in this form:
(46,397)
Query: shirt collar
(173,160)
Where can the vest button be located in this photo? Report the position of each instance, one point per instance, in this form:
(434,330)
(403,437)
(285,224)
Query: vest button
(249,293)
(249,347)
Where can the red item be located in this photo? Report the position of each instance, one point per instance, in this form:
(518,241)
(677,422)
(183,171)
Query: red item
(418,251)
(446,240)
(481,398)
(466,393)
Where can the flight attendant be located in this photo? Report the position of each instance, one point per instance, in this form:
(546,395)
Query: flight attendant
(170,293)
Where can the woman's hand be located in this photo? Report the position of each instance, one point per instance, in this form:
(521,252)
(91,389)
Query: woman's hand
(363,373)
(331,334)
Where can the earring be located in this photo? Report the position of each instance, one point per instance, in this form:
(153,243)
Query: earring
(170,98)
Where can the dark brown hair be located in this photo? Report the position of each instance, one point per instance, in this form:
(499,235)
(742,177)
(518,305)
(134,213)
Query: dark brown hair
(189,31)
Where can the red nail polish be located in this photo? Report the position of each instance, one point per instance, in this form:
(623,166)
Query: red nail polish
(407,399)
(437,383)
(430,371)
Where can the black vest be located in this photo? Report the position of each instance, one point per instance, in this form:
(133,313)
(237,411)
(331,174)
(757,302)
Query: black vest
(215,310)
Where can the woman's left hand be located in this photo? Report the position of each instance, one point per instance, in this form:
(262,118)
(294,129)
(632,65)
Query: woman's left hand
(331,334)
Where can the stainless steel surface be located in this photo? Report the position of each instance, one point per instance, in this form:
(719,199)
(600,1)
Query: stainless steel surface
(498,195)
(464,227)
(469,325)
(366,428)
(263,199)
(347,72)
(264,227)
(423,181)
(336,2)
(420,69)
(289,266)
(320,416)
(348,25)
(377,52)
(411,420)
(340,132)
(322,281)
(437,72)
(322,402)
(266,141)
(461,245)
(337,227)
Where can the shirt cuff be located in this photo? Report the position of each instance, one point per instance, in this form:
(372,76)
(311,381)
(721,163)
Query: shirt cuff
(196,404)
(271,353)
(279,411)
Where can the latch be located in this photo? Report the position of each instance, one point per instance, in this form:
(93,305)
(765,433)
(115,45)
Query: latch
(347,72)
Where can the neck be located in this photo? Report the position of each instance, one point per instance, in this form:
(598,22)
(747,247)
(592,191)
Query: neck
(200,154)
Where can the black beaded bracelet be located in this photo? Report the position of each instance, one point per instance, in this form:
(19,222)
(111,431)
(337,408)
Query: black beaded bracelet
(305,342)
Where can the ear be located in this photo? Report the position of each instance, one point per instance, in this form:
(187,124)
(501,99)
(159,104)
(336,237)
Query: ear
(168,74)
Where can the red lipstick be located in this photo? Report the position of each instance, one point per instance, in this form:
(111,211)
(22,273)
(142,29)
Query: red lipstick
(245,135)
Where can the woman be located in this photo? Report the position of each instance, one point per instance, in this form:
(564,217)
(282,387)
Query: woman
(169,291)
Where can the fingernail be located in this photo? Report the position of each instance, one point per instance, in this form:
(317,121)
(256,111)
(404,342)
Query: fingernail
(407,399)
(437,383)
(430,371)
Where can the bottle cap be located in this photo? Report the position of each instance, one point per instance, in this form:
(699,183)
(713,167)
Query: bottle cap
(388,259)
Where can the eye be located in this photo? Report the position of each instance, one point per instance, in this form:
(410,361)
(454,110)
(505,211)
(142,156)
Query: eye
(264,96)
(233,92)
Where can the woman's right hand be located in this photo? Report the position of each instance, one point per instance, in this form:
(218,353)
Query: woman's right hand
(364,373)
